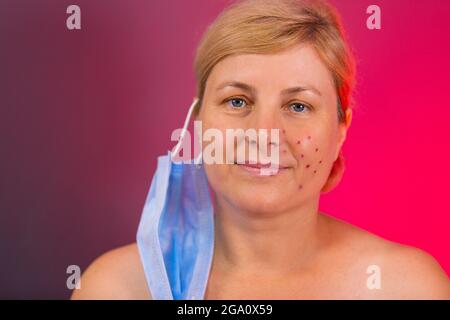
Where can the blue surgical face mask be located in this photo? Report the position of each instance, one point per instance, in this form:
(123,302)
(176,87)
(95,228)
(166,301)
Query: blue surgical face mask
(176,231)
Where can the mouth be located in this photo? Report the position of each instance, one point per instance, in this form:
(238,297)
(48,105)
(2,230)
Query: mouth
(260,169)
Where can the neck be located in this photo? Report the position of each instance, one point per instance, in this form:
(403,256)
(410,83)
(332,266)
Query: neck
(277,244)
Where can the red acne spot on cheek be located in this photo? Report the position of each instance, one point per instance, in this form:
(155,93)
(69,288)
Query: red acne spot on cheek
(315,171)
(320,161)
(300,187)
(302,155)
(298,141)
(284,151)
(284,131)
(317,149)
(307,166)
(309,137)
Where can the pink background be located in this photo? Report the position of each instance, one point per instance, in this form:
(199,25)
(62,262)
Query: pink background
(84,114)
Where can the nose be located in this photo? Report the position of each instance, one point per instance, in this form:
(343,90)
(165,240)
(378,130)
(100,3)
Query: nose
(264,119)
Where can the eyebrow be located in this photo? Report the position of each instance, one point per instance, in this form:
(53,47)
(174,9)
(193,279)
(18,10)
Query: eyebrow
(252,90)
(300,89)
(237,84)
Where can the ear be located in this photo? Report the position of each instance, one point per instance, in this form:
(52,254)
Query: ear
(348,117)
(337,171)
(343,128)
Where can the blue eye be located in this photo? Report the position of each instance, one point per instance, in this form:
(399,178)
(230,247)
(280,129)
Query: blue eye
(298,107)
(237,103)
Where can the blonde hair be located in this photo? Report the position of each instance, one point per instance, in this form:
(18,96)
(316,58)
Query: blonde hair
(269,26)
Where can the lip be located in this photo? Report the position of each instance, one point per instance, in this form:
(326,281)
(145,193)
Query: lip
(259,169)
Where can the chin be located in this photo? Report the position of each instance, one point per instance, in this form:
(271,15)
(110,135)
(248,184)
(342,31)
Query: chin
(260,199)
(255,194)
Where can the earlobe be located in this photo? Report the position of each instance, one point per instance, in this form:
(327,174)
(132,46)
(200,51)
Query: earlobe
(338,168)
(343,128)
(348,117)
(336,173)
(346,126)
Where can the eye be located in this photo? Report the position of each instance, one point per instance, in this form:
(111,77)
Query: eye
(299,107)
(237,103)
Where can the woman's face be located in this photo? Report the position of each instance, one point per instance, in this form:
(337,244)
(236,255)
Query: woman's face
(263,91)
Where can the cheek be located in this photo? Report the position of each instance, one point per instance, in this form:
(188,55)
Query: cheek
(313,154)
(309,151)
(218,177)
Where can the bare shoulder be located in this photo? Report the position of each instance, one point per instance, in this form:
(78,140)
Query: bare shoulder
(116,274)
(412,273)
(405,272)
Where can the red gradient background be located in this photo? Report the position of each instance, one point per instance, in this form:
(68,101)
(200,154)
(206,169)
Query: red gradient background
(85,113)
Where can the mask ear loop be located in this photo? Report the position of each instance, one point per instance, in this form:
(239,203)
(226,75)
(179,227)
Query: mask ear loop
(183,132)
(198,160)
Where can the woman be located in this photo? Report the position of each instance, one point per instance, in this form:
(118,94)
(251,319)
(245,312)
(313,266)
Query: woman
(280,65)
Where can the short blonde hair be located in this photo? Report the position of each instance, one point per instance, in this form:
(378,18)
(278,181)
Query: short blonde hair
(269,26)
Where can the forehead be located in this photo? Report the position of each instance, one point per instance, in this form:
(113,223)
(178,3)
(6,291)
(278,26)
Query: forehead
(298,65)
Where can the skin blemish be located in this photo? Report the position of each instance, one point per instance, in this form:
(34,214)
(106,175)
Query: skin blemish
(307,166)
(284,131)
(320,161)
(309,137)
(298,141)
(302,155)
(300,187)
(315,171)
(284,151)
(317,149)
